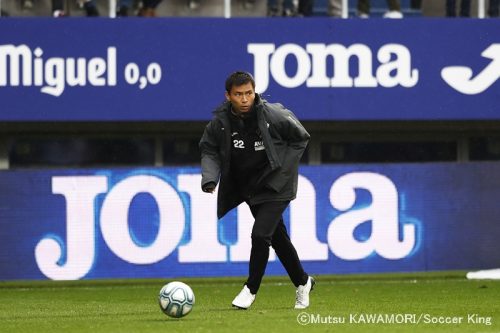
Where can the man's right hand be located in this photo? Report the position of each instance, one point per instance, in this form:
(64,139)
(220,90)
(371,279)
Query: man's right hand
(208,187)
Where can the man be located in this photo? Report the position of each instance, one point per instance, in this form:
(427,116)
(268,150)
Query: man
(252,148)
(149,8)
(306,7)
(494,8)
(451,10)
(394,11)
(88,5)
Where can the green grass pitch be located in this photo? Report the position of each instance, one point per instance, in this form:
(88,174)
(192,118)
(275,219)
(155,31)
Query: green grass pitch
(392,302)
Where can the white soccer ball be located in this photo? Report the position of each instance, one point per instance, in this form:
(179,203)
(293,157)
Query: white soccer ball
(176,299)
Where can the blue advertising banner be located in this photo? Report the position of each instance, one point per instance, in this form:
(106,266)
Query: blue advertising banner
(174,69)
(156,222)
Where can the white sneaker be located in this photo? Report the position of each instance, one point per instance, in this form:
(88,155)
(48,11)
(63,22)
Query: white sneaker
(393,14)
(244,299)
(302,294)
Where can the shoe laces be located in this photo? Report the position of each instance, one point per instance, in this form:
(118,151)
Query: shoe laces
(299,294)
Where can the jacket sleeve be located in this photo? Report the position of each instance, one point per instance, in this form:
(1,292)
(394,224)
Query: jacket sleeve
(210,157)
(295,139)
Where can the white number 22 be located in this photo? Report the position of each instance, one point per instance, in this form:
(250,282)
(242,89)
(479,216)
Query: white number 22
(238,144)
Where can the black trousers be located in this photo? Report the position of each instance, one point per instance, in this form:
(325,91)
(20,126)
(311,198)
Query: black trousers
(306,7)
(269,230)
(451,8)
(364,6)
(493,9)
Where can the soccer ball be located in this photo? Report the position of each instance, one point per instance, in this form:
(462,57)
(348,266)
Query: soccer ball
(176,299)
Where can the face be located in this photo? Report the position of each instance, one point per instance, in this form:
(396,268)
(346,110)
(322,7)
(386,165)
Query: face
(241,97)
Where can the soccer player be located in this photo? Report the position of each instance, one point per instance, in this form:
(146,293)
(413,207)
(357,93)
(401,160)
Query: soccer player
(252,148)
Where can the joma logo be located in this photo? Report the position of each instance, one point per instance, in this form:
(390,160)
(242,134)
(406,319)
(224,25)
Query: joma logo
(395,68)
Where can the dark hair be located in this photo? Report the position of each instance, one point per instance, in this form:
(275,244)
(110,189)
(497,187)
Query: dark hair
(239,78)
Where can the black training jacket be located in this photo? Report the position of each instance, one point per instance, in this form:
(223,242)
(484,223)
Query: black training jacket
(285,140)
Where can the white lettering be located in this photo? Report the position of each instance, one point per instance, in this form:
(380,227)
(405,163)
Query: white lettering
(20,60)
(404,75)
(111,66)
(38,67)
(387,237)
(303,223)
(80,193)
(383,214)
(269,60)
(96,69)
(261,53)
(278,66)
(204,245)
(75,74)
(53,74)
(114,219)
